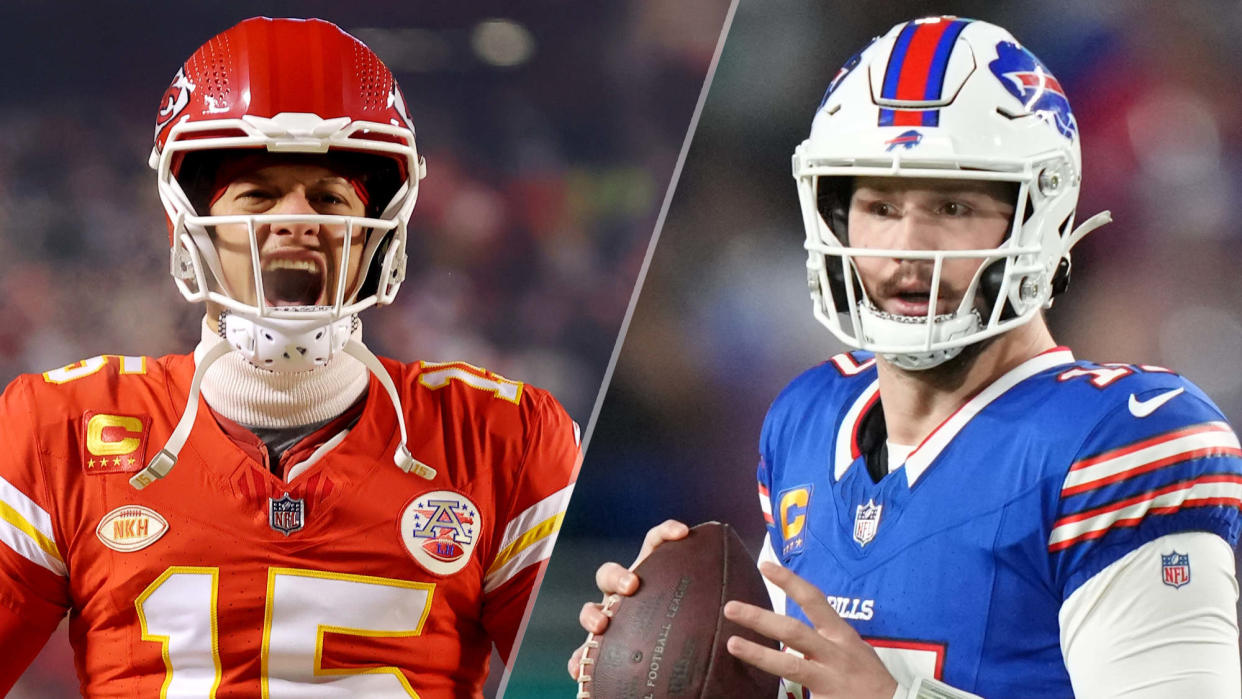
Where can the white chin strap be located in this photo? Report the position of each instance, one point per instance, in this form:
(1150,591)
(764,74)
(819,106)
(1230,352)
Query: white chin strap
(287,345)
(883,329)
(167,457)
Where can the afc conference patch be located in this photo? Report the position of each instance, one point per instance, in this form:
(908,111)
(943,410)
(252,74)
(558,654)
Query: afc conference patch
(286,515)
(866,522)
(440,530)
(1175,569)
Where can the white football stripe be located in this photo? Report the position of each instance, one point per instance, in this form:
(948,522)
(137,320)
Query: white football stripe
(27,529)
(1062,535)
(845,434)
(1223,438)
(528,538)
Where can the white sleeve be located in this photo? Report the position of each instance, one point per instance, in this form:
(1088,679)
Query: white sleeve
(775,594)
(1126,632)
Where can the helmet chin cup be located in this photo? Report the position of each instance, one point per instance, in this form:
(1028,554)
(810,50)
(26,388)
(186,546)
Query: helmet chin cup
(287,345)
(879,328)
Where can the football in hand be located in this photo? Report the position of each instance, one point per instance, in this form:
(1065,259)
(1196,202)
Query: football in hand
(668,639)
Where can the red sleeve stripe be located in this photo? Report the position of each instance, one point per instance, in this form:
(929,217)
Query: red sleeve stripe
(1201,441)
(1092,524)
(1152,441)
(765,504)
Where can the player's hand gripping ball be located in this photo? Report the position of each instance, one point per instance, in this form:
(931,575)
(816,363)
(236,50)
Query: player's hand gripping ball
(668,639)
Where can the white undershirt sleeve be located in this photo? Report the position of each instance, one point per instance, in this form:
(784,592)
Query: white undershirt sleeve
(1127,633)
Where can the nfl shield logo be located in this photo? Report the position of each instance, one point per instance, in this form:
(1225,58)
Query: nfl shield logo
(1175,568)
(286,515)
(866,521)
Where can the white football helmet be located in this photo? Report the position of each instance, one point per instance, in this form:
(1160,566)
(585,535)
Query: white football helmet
(944,98)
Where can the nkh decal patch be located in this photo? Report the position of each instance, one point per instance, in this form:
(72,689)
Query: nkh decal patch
(114,443)
(286,515)
(866,522)
(130,528)
(1175,569)
(440,530)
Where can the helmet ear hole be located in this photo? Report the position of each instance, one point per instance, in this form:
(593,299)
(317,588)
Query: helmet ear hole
(836,284)
(832,197)
(990,283)
(371,282)
(1060,278)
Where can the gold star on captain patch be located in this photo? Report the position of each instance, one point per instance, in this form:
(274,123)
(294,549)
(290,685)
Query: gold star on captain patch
(116,461)
(130,460)
(90,463)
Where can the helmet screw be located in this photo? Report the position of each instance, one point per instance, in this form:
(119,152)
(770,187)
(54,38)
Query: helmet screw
(1029,289)
(1049,182)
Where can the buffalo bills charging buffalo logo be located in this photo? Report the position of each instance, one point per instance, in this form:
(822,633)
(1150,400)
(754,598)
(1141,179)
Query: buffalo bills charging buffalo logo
(1026,78)
(906,139)
(846,69)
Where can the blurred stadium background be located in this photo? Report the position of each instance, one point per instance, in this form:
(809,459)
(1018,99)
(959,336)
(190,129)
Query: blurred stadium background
(724,321)
(550,129)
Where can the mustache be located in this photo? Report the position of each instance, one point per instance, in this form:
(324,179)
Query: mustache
(915,276)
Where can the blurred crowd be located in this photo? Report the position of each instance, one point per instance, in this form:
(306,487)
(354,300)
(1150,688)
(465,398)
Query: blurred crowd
(547,166)
(724,320)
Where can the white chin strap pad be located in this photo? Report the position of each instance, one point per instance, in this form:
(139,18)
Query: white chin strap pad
(887,330)
(286,345)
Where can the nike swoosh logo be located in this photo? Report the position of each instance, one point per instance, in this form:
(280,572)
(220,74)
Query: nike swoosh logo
(1143,408)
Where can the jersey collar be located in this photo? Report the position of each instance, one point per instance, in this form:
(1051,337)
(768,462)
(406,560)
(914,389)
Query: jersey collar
(925,453)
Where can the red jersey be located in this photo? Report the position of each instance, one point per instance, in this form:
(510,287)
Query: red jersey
(352,579)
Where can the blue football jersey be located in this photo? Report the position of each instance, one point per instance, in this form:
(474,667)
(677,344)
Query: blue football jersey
(956,564)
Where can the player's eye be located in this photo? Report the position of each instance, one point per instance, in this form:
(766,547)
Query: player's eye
(955,209)
(881,208)
(329,198)
(254,194)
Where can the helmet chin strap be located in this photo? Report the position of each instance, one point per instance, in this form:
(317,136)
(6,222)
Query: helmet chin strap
(286,345)
(167,456)
(882,328)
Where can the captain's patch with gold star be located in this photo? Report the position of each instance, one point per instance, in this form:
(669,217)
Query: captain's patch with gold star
(114,443)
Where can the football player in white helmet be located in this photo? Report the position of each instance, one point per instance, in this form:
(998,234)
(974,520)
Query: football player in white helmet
(959,507)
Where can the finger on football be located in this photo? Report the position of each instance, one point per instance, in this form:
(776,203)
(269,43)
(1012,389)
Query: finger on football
(668,530)
(593,618)
(772,661)
(574,662)
(778,627)
(615,579)
(812,601)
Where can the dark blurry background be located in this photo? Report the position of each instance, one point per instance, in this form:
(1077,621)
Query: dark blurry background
(724,320)
(550,129)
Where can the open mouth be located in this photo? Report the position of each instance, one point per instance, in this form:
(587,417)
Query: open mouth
(293,282)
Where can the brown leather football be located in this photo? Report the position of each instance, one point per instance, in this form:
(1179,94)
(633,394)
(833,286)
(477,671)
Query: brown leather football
(668,639)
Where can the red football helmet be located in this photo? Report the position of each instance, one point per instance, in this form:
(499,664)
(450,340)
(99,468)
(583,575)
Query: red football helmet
(297,87)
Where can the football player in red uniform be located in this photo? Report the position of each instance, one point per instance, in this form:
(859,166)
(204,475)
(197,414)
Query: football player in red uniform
(335,524)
